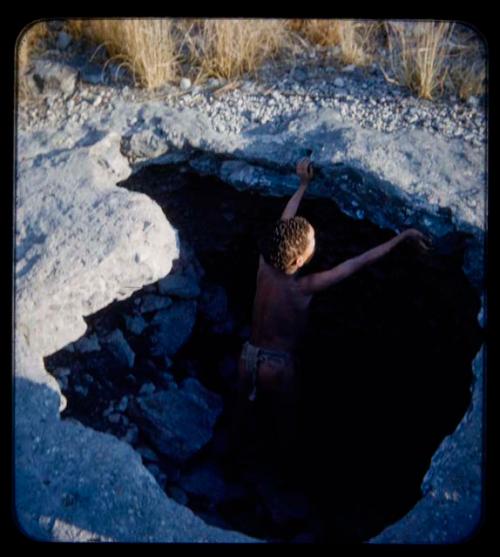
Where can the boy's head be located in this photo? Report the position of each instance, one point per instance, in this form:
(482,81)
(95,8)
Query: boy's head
(289,245)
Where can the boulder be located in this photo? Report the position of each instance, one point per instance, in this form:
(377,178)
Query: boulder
(50,78)
(172,327)
(148,144)
(179,423)
(117,345)
(207,481)
(153,302)
(135,324)
(181,286)
(80,243)
(213,306)
(147,389)
(147,454)
(178,495)
(87,344)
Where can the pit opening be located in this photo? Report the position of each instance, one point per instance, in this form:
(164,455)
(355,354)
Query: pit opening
(386,370)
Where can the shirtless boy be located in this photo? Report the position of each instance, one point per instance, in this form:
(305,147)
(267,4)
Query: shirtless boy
(268,361)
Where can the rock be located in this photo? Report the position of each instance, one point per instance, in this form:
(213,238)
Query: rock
(179,423)
(87,344)
(131,379)
(114,418)
(73,259)
(168,380)
(147,454)
(116,344)
(92,73)
(349,68)
(284,506)
(339,82)
(63,40)
(203,397)
(168,362)
(207,481)
(172,327)
(62,371)
(122,405)
(81,390)
(215,519)
(178,495)
(300,74)
(213,306)
(181,286)
(110,408)
(62,381)
(148,144)
(185,84)
(132,435)
(135,324)
(213,82)
(159,476)
(147,389)
(153,302)
(473,101)
(76,237)
(49,78)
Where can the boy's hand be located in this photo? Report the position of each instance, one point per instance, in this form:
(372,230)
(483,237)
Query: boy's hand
(422,242)
(305,169)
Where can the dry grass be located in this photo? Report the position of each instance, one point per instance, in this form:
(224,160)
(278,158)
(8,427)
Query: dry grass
(29,44)
(428,57)
(229,48)
(467,76)
(420,55)
(147,47)
(354,38)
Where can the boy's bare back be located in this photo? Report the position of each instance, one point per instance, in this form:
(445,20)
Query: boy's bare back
(280,309)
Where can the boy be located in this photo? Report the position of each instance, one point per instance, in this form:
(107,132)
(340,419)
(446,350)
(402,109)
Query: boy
(268,362)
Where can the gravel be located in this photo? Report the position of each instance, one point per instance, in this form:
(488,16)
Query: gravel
(276,98)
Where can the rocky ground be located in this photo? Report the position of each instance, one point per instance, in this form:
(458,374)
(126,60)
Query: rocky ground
(81,129)
(273,99)
(158,371)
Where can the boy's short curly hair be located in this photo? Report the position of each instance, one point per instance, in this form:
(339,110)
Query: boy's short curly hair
(285,241)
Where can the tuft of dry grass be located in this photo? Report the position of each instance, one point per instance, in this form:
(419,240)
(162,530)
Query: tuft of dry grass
(354,38)
(467,75)
(29,43)
(229,48)
(419,55)
(147,47)
(428,57)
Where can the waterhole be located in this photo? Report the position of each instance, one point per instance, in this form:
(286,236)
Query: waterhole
(385,370)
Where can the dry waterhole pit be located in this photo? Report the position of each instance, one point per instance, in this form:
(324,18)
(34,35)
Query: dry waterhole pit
(386,370)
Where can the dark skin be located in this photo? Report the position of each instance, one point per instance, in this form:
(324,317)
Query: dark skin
(282,300)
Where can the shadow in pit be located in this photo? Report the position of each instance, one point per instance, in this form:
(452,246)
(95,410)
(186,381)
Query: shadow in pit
(386,360)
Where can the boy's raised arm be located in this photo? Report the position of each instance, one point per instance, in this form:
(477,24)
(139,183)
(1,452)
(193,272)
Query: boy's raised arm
(305,173)
(319,281)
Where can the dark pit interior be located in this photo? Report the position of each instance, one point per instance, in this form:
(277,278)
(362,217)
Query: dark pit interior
(386,371)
